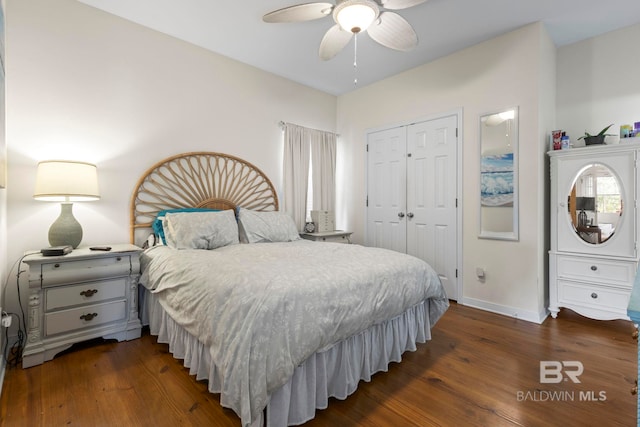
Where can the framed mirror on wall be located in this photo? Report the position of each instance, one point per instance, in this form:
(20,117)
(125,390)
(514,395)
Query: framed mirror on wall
(499,174)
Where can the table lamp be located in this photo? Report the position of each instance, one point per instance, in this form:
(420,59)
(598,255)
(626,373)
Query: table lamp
(66,182)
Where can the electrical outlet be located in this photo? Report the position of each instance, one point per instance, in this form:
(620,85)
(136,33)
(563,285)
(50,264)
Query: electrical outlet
(6,320)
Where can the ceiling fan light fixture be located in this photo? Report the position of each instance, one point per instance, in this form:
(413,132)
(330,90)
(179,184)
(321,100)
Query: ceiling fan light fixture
(355,15)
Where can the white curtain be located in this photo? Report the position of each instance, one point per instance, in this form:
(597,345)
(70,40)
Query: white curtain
(296,173)
(301,144)
(323,170)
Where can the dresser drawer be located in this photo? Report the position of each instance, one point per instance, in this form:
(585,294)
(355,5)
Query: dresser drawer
(65,272)
(594,296)
(618,273)
(85,293)
(84,317)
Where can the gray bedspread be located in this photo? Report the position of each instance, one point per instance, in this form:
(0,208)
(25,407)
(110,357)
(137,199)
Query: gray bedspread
(262,309)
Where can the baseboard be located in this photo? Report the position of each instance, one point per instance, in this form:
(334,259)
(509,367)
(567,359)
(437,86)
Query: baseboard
(517,313)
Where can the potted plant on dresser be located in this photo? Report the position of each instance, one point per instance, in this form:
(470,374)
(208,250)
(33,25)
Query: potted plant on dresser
(597,138)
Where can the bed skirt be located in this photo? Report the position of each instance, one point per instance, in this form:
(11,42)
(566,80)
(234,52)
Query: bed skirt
(332,372)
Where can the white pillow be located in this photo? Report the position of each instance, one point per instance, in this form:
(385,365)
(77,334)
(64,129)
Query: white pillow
(200,230)
(258,227)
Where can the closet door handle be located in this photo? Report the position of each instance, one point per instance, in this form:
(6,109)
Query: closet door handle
(410,215)
(400,214)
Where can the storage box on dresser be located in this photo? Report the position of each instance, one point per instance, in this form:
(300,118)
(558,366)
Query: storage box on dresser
(592,266)
(82,295)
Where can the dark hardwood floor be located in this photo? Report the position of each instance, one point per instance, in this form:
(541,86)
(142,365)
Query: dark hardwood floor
(480,369)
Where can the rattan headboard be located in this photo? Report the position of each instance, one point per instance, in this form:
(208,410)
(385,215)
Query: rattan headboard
(199,180)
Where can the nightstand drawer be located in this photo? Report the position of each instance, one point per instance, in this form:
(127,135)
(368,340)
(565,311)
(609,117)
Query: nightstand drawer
(593,296)
(619,273)
(84,317)
(65,272)
(85,293)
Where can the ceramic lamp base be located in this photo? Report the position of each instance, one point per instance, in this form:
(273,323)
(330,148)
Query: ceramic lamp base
(66,230)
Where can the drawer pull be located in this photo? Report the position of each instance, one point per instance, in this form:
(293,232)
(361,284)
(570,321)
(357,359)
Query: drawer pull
(56,265)
(89,316)
(119,259)
(594,267)
(89,292)
(594,295)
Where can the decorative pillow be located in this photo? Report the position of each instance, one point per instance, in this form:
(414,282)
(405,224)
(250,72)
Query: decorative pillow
(200,230)
(157,223)
(257,227)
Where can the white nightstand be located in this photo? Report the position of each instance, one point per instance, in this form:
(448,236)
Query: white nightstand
(82,295)
(337,236)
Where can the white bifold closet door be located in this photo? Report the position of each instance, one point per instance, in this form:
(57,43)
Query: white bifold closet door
(412,194)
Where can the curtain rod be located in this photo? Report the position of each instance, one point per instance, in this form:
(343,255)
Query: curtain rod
(283,124)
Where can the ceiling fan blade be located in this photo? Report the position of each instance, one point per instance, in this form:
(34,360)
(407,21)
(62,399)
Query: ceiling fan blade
(400,4)
(299,13)
(393,31)
(333,42)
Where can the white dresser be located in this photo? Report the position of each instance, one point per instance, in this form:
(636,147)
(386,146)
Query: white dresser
(82,295)
(594,229)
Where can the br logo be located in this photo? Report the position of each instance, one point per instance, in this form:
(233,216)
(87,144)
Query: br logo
(553,371)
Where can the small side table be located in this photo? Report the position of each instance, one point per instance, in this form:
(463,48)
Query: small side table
(79,296)
(336,236)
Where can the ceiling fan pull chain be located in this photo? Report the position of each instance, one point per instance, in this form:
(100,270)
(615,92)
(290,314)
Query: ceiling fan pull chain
(355,59)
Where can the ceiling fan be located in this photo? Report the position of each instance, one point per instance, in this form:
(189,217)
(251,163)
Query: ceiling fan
(352,17)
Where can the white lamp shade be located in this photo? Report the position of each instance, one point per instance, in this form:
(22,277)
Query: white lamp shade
(66,181)
(356,15)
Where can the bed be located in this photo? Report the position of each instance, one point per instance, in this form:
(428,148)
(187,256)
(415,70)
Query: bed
(276,324)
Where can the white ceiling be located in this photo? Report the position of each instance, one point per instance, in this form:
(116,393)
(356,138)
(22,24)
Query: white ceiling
(234,28)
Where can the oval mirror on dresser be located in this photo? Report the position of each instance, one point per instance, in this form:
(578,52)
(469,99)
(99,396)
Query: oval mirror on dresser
(595,204)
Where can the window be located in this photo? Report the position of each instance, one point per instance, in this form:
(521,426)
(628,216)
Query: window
(308,187)
(310,192)
(608,199)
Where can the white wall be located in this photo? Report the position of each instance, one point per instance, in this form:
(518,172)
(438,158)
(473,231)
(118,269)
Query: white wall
(503,72)
(546,122)
(85,85)
(599,83)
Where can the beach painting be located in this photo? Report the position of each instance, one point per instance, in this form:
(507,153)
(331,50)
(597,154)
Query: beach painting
(496,180)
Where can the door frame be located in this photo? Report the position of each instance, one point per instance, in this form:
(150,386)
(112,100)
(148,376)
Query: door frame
(458,113)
